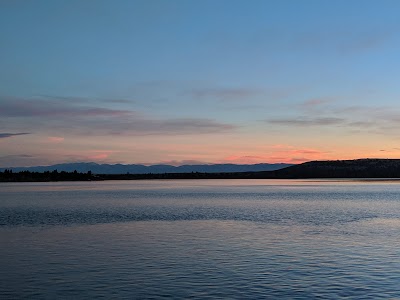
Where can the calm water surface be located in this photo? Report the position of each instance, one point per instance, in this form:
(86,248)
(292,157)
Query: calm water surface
(207,239)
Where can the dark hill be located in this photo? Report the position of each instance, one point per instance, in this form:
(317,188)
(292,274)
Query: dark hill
(359,168)
(154,169)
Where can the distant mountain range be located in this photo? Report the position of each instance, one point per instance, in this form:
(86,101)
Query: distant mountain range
(154,169)
(359,168)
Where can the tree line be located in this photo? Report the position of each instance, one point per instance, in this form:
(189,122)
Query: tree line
(23,176)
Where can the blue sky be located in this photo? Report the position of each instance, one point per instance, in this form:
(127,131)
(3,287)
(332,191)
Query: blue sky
(201,81)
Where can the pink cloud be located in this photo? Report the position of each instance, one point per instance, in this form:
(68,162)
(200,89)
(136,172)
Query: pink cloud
(311,103)
(89,155)
(178,162)
(55,139)
(99,156)
(306,151)
(244,159)
(279,154)
(281,146)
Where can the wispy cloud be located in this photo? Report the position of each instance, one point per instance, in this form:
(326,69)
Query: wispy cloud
(225,93)
(327,112)
(177,162)
(364,42)
(50,117)
(4,135)
(315,103)
(245,159)
(84,100)
(18,156)
(99,156)
(55,139)
(279,154)
(336,41)
(20,160)
(30,108)
(344,42)
(242,94)
(326,121)
(183,126)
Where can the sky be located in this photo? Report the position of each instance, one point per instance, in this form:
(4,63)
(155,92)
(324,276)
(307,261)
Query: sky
(210,81)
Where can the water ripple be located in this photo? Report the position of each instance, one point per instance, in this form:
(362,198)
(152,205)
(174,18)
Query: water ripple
(200,240)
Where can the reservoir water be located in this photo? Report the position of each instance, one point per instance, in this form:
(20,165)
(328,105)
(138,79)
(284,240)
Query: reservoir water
(201,239)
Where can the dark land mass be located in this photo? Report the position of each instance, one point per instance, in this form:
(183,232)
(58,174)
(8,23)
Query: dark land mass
(27,176)
(95,168)
(360,168)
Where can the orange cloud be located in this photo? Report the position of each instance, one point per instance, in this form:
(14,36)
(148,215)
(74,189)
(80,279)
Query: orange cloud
(279,154)
(100,156)
(55,139)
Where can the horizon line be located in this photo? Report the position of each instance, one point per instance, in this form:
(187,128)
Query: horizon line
(193,164)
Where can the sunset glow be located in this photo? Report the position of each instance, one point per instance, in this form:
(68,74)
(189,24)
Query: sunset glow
(179,82)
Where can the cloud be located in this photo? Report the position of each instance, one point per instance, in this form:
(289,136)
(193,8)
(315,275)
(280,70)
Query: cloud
(324,121)
(344,42)
(121,101)
(279,154)
(372,111)
(84,100)
(177,163)
(372,119)
(225,93)
(245,159)
(314,103)
(53,116)
(242,94)
(99,156)
(193,124)
(55,139)
(298,160)
(364,42)
(330,41)
(183,126)
(19,160)
(31,108)
(381,120)
(18,156)
(7,135)
(362,124)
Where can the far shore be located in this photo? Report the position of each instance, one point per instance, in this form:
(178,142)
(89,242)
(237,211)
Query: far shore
(84,177)
(359,169)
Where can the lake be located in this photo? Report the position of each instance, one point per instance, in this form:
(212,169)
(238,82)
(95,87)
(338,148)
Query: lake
(204,239)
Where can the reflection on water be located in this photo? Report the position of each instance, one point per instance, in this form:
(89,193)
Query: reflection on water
(204,239)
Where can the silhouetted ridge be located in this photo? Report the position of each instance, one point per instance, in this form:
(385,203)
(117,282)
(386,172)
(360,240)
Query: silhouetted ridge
(359,168)
(155,169)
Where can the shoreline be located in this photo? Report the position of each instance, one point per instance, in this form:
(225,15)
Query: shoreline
(189,176)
